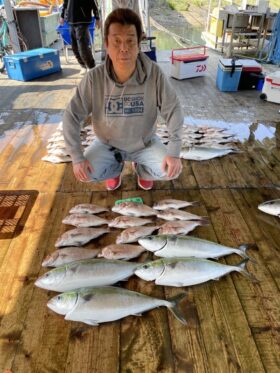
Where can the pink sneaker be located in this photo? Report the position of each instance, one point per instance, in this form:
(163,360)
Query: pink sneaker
(145,184)
(112,184)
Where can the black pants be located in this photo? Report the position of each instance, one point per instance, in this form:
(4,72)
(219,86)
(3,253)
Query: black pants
(80,40)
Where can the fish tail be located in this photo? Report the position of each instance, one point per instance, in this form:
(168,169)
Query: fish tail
(173,307)
(244,255)
(204,221)
(241,267)
(195,203)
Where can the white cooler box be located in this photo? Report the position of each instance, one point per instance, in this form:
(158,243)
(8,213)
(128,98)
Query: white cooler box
(271,88)
(189,62)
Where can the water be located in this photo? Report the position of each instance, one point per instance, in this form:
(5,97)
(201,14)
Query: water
(177,37)
(245,132)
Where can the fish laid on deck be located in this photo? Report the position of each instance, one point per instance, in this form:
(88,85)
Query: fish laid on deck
(87,208)
(181,227)
(173,203)
(84,220)
(169,246)
(85,273)
(68,255)
(271,207)
(97,305)
(134,209)
(202,154)
(128,221)
(174,214)
(187,271)
(121,251)
(79,236)
(134,233)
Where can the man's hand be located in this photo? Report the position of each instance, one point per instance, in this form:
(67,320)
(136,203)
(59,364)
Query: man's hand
(61,21)
(98,23)
(82,170)
(172,166)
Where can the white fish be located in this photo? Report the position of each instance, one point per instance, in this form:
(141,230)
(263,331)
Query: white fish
(180,227)
(173,214)
(56,144)
(56,159)
(121,251)
(84,220)
(68,255)
(202,154)
(133,209)
(170,246)
(271,207)
(79,236)
(128,221)
(132,234)
(97,305)
(165,204)
(59,152)
(86,273)
(87,208)
(187,271)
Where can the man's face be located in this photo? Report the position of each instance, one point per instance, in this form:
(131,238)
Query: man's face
(122,46)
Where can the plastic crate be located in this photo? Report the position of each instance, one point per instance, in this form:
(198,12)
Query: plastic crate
(189,62)
(228,75)
(64,31)
(32,64)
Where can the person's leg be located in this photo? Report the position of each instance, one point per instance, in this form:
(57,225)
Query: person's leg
(74,44)
(83,38)
(105,160)
(148,162)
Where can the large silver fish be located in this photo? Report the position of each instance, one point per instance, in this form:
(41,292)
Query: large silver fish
(79,236)
(187,271)
(165,204)
(68,255)
(103,304)
(169,246)
(271,207)
(85,273)
(133,209)
(132,234)
(84,220)
(180,227)
(128,221)
(202,154)
(121,251)
(87,208)
(174,214)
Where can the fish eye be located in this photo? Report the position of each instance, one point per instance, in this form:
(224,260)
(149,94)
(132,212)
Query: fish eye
(145,266)
(59,297)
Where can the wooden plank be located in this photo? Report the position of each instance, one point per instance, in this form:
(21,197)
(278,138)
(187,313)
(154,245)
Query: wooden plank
(16,277)
(259,302)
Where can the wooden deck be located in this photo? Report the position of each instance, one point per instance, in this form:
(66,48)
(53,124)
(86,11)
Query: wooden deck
(233,324)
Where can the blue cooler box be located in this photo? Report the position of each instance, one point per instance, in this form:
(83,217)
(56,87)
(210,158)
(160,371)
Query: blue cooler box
(32,64)
(228,75)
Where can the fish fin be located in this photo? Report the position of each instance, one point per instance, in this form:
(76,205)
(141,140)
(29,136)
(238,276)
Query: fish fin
(243,253)
(174,302)
(90,322)
(195,203)
(241,267)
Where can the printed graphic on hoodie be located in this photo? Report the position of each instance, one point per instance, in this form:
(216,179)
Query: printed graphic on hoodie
(124,105)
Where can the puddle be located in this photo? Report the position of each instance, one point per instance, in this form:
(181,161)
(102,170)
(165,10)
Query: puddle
(33,117)
(244,132)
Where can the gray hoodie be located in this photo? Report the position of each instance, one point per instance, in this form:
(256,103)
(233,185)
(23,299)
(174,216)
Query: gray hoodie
(123,115)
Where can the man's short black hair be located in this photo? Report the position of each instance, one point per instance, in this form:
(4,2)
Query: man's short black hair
(123,16)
